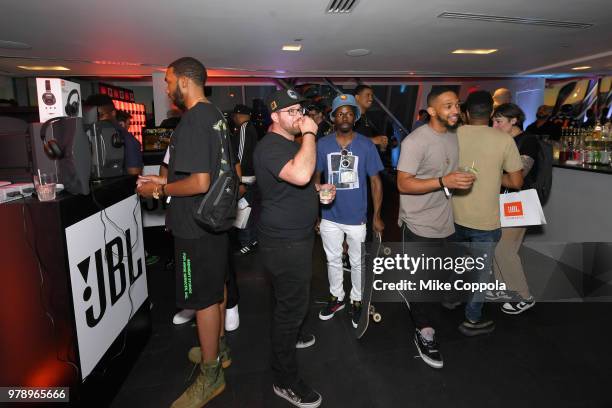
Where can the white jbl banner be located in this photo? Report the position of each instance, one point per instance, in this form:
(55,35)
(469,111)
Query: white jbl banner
(108,276)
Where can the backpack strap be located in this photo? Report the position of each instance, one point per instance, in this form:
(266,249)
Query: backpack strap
(226,151)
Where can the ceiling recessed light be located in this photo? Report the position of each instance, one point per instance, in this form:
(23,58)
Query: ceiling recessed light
(43,68)
(292,47)
(581,68)
(117,63)
(14,45)
(358,52)
(477,51)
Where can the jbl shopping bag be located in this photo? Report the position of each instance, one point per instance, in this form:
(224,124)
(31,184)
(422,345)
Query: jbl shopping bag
(521,209)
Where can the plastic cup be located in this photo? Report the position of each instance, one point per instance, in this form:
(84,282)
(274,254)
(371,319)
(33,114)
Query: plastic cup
(326,193)
(467,169)
(45,186)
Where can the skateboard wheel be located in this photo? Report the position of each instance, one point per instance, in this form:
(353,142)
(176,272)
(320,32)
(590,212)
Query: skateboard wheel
(377,317)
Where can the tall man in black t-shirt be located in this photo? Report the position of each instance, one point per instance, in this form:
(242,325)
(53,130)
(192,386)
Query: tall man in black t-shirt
(201,257)
(284,172)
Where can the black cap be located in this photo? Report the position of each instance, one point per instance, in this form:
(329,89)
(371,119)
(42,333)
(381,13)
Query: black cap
(240,108)
(283,98)
(99,100)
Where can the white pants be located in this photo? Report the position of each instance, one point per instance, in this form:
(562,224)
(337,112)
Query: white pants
(332,235)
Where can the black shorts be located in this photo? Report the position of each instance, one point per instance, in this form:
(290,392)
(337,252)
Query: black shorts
(201,268)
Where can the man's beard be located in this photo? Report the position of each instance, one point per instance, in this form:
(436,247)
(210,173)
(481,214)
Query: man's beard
(179,99)
(447,124)
(292,130)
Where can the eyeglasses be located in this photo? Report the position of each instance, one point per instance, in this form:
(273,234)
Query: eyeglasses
(295,111)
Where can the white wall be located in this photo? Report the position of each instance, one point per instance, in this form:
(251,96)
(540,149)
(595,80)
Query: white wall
(160,98)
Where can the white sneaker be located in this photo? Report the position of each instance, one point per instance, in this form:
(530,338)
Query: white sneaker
(232,319)
(519,307)
(183,316)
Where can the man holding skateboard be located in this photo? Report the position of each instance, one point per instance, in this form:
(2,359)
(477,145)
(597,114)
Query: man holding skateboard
(346,159)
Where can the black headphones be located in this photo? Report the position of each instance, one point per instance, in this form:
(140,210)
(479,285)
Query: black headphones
(51,147)
(72,109)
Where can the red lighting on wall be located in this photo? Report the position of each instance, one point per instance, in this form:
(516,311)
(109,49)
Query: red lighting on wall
(123,99)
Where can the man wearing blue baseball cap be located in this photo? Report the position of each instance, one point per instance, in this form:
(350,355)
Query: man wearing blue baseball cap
(345,158)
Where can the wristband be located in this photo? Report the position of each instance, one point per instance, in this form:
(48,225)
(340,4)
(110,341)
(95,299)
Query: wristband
(441,183)
(312,133)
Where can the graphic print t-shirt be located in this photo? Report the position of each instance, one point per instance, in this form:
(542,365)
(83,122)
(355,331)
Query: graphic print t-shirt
(348,170)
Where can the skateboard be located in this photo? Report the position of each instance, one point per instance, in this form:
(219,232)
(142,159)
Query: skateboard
(368,310)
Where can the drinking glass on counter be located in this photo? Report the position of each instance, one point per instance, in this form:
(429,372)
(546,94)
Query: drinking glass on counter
(45,184)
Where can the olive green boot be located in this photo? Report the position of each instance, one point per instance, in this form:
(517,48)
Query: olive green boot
(209,383)
(195,354)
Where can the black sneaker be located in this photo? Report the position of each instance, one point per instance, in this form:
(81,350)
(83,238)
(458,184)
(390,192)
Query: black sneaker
(305,341)
(355,313)
(469,328)
(300,395)
(333,306)
(428,350)
(519,307)
(346,263)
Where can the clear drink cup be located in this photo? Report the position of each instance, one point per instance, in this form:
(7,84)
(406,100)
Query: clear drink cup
(326,193)
(45,186)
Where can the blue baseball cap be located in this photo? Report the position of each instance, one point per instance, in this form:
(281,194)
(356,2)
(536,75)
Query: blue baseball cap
(345,100)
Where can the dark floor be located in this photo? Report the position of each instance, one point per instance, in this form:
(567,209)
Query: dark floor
(554,355)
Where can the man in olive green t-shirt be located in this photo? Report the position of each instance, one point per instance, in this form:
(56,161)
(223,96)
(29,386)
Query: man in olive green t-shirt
(495,159)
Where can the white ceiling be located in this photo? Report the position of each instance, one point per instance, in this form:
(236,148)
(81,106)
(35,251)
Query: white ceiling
(236,37)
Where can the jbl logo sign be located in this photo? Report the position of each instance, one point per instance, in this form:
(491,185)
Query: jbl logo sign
(514,209)
(119,279)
